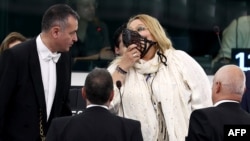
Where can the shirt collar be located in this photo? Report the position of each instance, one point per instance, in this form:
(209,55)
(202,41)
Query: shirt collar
(44,51)
(223,101)
(95,105)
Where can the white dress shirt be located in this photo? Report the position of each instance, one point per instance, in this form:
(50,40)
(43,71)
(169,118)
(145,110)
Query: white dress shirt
(223,101)
(48,70)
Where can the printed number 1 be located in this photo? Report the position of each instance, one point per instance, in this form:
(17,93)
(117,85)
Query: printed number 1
(241,57)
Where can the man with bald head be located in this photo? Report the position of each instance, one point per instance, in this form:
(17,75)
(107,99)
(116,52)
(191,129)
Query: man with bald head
(227,89)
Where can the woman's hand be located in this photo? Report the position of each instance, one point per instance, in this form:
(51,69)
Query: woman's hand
(129,57)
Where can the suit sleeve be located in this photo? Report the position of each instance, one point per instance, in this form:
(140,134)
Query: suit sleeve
(65,84)
(52,132)
(57,129)
(245,101)
(199,128)
(137,134)
(7,84)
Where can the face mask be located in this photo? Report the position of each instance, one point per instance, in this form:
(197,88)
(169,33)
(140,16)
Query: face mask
(132,37)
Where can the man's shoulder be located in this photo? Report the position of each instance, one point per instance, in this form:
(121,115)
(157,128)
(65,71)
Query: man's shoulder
(61,122)
(131,122)
(25,45)
(21,51)
(205,111)
(62,119)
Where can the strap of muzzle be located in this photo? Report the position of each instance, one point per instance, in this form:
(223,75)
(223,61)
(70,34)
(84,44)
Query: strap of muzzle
(132,37)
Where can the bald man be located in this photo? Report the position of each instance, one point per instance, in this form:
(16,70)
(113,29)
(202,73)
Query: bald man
(227,89)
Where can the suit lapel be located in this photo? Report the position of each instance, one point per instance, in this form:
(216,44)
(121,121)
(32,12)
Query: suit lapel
(60,75)
(61,79)
(63,71)
(36,75)
(59,86)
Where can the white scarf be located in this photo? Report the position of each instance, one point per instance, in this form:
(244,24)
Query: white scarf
(177,86)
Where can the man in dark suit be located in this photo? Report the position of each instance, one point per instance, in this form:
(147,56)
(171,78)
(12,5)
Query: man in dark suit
(245,101)
(35,78)
(227,89)
(96,123)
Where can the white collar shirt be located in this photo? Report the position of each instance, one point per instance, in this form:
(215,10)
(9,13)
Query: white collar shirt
(48,70)
(223,101)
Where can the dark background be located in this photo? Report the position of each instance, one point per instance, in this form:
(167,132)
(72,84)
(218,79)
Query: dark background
(189,23)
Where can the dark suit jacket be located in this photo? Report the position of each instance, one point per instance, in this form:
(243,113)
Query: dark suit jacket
(245,102)
(208,124)
(94,124)
(22,92)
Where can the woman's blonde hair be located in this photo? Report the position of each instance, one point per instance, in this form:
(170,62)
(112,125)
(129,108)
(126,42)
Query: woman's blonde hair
(156,30)
(10,38)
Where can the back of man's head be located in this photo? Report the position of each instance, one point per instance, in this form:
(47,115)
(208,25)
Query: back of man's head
(229,83)
(98,86)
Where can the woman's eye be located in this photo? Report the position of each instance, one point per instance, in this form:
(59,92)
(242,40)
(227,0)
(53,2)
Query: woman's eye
(141,29)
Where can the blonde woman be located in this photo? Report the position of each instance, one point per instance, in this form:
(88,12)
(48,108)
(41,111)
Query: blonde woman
(160,86)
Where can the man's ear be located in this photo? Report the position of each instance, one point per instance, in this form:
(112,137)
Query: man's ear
(111,96)
(55,31)
(84,93)
(218,87)
(117,50)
